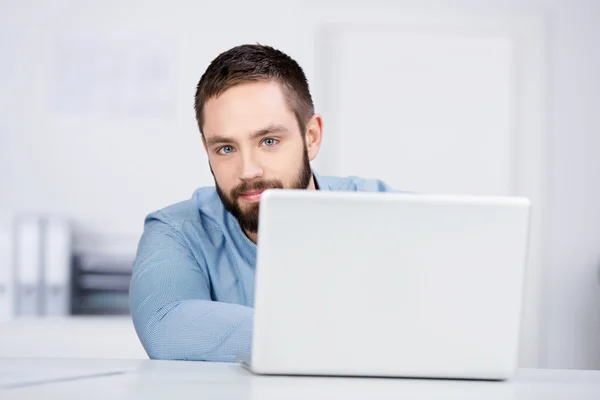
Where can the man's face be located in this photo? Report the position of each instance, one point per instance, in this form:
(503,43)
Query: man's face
(254,143)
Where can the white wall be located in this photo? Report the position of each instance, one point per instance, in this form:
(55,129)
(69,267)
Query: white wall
(572,295)
(107,170)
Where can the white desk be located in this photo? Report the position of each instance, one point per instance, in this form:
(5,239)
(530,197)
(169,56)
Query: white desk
(163,380)
(71,337)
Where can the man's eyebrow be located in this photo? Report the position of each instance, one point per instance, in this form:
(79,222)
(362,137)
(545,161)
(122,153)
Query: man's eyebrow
(218,140)
(269,130)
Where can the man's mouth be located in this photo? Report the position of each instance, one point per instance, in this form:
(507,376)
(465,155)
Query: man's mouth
(252,195)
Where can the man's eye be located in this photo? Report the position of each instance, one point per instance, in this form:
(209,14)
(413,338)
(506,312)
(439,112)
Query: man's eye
(270,142)
(225,150)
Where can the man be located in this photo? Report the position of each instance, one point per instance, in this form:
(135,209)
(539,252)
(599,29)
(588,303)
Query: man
(192,288)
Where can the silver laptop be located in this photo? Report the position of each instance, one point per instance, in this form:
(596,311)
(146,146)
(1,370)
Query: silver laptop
(389,284)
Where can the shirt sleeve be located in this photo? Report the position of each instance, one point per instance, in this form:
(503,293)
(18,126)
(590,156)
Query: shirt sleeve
(376,185)
(171,306)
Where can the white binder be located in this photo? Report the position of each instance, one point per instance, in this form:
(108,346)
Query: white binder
(7,307)
(28,266)
(56,254)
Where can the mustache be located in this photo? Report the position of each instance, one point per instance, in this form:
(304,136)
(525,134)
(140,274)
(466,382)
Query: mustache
(256,185)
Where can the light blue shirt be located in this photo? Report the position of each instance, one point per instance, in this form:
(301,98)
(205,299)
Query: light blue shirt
(192,288)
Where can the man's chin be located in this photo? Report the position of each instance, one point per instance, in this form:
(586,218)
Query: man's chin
(247,204)
(248,207)
(249,227)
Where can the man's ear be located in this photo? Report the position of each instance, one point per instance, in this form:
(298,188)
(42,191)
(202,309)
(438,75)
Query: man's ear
(314,135)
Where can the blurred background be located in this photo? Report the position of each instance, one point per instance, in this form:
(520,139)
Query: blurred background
(97,129)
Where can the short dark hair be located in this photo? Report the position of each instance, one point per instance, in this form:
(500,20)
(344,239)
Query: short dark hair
(253,63)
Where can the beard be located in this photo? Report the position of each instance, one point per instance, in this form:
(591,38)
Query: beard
(248,218)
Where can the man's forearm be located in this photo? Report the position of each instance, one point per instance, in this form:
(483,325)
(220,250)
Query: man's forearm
(197,330)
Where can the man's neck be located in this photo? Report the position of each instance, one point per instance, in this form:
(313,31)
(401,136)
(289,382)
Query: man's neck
(254,235)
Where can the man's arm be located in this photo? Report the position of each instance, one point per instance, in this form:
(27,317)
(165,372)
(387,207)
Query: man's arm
(171,306)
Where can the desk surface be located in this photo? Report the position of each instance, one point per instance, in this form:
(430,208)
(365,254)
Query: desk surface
(88,337)
(149,379)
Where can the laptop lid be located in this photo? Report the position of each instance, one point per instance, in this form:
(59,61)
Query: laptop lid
(389,284)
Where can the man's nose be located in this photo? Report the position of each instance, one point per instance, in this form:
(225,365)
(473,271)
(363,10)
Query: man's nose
(250,169)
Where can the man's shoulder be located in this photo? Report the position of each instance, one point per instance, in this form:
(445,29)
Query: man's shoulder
(204,204)
(353,183)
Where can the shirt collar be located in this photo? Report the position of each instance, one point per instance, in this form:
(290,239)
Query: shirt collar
(320,182)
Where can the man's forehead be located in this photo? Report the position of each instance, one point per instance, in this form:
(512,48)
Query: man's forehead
(247,98)
(246,108)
